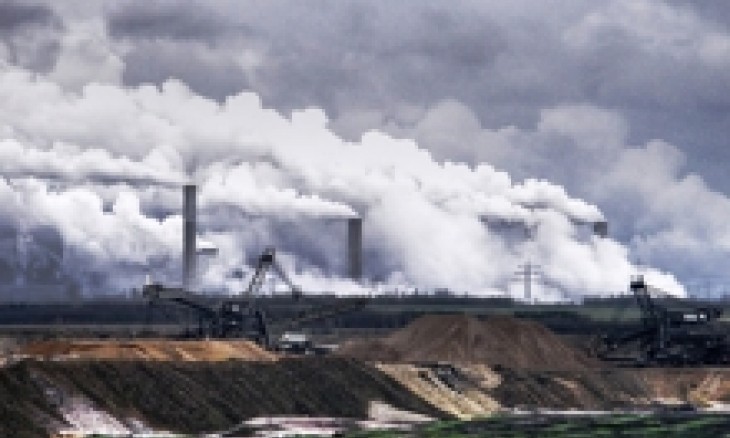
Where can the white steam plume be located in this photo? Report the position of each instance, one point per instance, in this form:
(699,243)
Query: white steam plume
(426,223)
(71,164)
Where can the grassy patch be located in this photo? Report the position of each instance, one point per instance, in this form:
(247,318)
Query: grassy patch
(660,426)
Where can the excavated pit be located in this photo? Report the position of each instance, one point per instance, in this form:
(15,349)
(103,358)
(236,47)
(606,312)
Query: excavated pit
(440,366)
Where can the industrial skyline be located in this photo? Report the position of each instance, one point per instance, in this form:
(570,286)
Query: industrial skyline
(363,115)
(364,218)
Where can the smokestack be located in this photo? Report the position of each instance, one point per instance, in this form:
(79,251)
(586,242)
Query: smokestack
(189,234)
(354,248)
(600,229)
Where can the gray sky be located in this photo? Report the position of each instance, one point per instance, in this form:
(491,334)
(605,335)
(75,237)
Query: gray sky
(661,65)
(625,103)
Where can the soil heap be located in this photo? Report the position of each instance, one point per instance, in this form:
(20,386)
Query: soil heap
(496,341)
(148,349)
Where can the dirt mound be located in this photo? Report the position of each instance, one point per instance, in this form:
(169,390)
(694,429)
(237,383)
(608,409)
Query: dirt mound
(499,340)
(156,350)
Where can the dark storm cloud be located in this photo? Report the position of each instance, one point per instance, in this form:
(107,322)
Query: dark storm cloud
(31,34)
(505,60)
(170,20)
(15,16)
(155,62)
(188,43)
(346,54)
(377,56)
(715,11)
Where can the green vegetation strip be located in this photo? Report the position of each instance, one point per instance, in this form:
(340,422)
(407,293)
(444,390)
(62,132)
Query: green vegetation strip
(664,426)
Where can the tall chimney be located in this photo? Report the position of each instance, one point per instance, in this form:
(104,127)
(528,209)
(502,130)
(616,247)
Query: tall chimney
(189,234)
(354,248)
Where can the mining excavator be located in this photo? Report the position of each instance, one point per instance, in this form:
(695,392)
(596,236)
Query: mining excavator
(231,317)
(240,316)
(667,337)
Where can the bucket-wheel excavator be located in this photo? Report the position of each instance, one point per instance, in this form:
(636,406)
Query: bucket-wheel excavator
(231,317)
(667,337)
(240,316)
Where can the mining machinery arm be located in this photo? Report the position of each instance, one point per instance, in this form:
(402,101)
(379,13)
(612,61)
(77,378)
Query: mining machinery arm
(232,317)
(669,337)
(240,316)
(267,262)
(229,318)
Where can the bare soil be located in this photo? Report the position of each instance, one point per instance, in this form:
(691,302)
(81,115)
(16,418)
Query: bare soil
(499,341)
(148,349)
(695,385)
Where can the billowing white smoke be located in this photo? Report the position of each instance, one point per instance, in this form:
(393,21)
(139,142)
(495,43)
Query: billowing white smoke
(121,239)
(96,164)
(71,164)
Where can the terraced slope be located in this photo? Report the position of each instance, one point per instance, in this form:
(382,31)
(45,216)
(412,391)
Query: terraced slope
(198,396)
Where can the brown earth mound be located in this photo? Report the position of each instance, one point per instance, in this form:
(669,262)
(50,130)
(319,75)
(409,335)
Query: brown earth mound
(499,340)
(156,350)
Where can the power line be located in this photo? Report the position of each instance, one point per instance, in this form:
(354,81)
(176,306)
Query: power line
(527,273)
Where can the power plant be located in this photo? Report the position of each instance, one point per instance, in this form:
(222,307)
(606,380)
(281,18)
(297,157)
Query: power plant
(437,348)
(239,316)
(357,219)
(438,353)
(663,337)
(353,251)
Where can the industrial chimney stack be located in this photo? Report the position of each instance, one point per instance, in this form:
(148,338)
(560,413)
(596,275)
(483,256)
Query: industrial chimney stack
(354,248)
(189,235)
